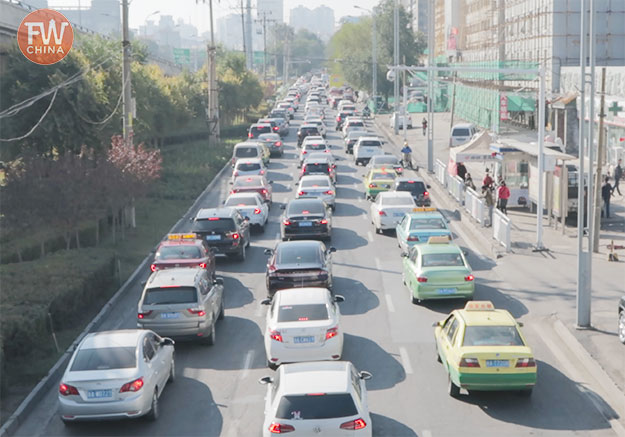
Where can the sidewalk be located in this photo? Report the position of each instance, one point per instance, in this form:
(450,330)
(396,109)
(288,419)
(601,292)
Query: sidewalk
(549,278)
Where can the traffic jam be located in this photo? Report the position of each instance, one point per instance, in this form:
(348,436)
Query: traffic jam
(310,386)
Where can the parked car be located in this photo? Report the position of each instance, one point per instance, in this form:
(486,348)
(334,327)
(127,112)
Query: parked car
(400,120)
(461,134)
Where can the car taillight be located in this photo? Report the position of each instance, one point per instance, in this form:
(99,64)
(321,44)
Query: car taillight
(262,172)
(275,335)
(249,135)
(279,428)
(304,152)
(330,192)
(301,193)
(422,279)
(426,194)
(526,362)
(202,265)
(279,143)
(354,424)
(382,213)
(143,314)
(413,238)
(235,235)
(323,221)
(197,312)
(332,332)
(372,185)
(275,128)
(263,191)
(469,278)
(67,390)
(153,267)
(256,210)
(400,170)
(132,385)
(286,222)
(236,173)
(469,362)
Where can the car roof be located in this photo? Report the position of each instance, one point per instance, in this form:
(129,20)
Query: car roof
(315,377)
(496,317)
(224,212)
(249,161)
(118,338)
(269,135)
(370,139)
(385,157)
(300,243)
(308,125)
(385,194)
(247,144)
(408,179)
(316,177)
(178,276)
(305,295)
(245,194)
(181,242)
(260,125)
(251,178)
(430,248)
(318,160)
(462,125)
(426,214)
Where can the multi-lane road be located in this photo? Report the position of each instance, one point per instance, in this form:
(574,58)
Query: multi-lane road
(216,390)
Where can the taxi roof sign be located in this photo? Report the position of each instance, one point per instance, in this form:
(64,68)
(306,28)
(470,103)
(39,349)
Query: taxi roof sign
(181,237)
(424,209)
(479,305)
(439,239)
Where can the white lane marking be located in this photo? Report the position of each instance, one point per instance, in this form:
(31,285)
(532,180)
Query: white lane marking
(370,236)
(259,310)
(378,265)
(360,200)
(364,216)
(389,303)
(277,235)
(426,433)
(248,362)
(405,360)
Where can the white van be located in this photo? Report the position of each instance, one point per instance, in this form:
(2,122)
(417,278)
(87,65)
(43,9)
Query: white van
(462,133)
(366,148)
(246,150)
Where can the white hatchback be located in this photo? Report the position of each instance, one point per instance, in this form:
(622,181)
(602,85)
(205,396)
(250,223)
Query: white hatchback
(317,399)
(248,167)
(389,208)
(250,205)
(303,325)
(317,186)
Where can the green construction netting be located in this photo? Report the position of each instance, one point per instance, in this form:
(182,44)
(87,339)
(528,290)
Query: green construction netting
(521,103)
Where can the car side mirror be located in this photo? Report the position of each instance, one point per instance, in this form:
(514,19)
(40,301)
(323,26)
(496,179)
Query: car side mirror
(218,281)
(167,342)
(339,298)
(520,324)
(271,182)
(282,206)
(365,375)
(265,301)
(332,249)
(265,380)
(435,324)
(465,252)
(428,186)
(404,254)
(247,219)
(268,251)
(230,182)
(143,283)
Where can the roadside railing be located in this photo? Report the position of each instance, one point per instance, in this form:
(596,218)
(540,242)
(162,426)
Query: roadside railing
(475,205)
(440,170)
(455,186)
(501,229)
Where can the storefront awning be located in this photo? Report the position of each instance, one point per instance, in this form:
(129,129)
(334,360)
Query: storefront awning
(476,150)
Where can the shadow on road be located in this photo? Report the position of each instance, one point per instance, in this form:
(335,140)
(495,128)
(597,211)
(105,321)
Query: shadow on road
(346,239)
(350,193)
(236,294)
(347,180)
(484,291)
(368,355)
(358,298)
(385,426)
(347,209)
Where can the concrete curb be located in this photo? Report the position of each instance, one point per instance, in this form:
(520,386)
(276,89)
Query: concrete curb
(55,373)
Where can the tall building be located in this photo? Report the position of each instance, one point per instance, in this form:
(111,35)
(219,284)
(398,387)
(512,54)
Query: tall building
(102,16)
(273,9)
(418,9)
(299,17)
(230,31)
(319,21)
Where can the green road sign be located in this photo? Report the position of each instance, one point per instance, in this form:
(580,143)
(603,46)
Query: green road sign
(182,56)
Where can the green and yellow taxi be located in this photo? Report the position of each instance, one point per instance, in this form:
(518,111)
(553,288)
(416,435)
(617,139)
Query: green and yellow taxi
(419,225)
(266,152)
(483,349)
(437,270)
(377,181)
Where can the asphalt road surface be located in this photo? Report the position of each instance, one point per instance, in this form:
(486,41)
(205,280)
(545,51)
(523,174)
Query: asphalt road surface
(216,390)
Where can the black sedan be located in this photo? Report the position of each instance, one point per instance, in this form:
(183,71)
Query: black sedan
(415,186)
(299,264)
(306,218)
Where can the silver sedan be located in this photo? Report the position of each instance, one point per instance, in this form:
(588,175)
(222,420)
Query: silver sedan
(116,375)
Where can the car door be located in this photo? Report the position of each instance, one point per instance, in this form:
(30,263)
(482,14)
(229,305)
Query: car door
(375,211)
(326,256)
(447,340)
(242,225)
(410,267)
(152,375)
(207,298)
(401,230)
(160,360)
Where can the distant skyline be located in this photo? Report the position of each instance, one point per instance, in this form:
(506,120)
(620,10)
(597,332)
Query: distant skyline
(198,14)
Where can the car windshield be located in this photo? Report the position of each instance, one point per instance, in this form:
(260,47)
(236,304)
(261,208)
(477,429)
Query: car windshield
(170,295)
(416,187)
(317,167)
(492,336)
(314,183)
(246,152)
(380,176)
(460,132)
(306,207)
(241,201)
(218,225)
(442,260)
(427,223)
(317,406)
(302,313)
(104,358)
(370,144)
(178,252)
(248,166)
(296,254)
(247,182)
(395,201)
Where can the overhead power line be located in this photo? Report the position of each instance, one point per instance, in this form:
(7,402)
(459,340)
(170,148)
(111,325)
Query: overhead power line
(6,140)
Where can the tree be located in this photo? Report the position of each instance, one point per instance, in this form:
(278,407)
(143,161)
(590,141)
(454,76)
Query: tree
(239,89)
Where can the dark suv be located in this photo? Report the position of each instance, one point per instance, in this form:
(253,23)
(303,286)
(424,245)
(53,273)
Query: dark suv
(416,187)
(306,130)
(225,231)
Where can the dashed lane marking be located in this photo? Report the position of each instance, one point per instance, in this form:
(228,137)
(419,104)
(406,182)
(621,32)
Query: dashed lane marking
(378,265)
(405,360)
(248,363)
(370,236)
(389,303)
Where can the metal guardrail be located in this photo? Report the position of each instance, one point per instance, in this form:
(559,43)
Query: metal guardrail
(501,229)
(440,171)
(475,205)
(455,186)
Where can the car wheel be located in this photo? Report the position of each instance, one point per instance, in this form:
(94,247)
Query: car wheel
(153,414)
(378,230)
(621,326)
(452,389)
(172,370)
(413,299)
(241,256)
(261,228)
(68,423)
(272,366)
(526,393)
(212,338)
(222,310)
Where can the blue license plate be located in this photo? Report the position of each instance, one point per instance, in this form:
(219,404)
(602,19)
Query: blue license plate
(99,394)
(213,237)
(305,224)
(398,214)
(497,363)
(306,339)
(446,290)
(170,315)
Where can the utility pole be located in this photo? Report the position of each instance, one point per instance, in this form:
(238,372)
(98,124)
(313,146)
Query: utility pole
(286,62)
(213,98)
(453,100)
(249,54)
(126,82)
(243,29)
(374,55)
(430,129)
(264,21)
(600,153)
(396,62)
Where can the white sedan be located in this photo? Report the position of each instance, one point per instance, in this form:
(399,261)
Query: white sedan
(319,186)
(303,325)
(313,146)
(317,399)
(248,167)
(389,208)
(250,205)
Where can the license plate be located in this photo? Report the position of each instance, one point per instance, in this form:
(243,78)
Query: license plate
(170,315)
(99,394)
(306,339)
(385,186)
(398,214)
(497,363)
(213,237)
(305,224)
(446,290)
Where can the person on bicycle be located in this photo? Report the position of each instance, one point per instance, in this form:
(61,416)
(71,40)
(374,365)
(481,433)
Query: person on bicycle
(366,112)
(406,153)
(424,125)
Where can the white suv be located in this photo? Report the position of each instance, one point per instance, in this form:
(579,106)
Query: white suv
(365,148)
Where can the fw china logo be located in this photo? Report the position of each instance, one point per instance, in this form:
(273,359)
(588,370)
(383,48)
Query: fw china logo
(45,36)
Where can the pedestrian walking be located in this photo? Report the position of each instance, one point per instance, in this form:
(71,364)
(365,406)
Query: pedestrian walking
(606,193)
(468,181)
(618,174)
(503,194)
(424,125)
(487,195)
(461,170)
(488,181)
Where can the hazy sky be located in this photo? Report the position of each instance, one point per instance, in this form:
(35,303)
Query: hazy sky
(198,14)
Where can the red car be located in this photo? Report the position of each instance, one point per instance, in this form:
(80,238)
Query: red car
(183,250)
(259,184)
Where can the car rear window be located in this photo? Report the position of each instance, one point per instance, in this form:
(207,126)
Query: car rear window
(170,295)
(247,182)
(385,160)
(313,146)
(104,358)
(431,223)
(256,130)
(246,152)
(413,187)
(296,254)
(178,252)
(442,260)
(396,201)
(317,406)
(306,207)
(302,313)
(322,183)
(219,225)
(356,124)
(370,144)
(317,167)
(309,130)
(381,176)
(241,201)
(492,336)
(248,166)
(461,132)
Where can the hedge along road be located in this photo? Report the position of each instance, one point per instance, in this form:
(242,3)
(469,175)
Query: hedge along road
(216,390)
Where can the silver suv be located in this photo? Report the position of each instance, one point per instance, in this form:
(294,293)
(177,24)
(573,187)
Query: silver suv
(182,302)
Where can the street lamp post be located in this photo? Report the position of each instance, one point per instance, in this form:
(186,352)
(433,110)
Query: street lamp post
(374,59)
(396,62)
